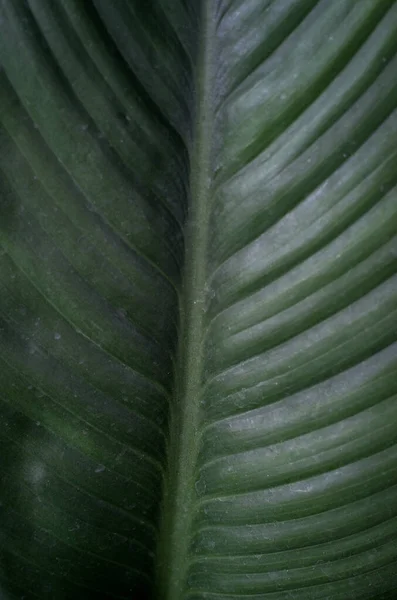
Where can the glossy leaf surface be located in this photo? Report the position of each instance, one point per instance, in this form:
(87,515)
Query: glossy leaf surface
(198,216)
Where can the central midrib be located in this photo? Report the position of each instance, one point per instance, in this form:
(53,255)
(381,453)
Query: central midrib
(179,494)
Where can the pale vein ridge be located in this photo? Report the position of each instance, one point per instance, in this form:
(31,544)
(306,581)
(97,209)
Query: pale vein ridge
(180,492)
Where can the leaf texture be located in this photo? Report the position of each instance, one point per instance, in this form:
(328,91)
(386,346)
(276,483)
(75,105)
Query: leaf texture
(94,179)
(198,339)
(296,469)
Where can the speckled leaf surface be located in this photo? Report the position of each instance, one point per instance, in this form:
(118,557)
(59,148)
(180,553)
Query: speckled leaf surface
(198,299)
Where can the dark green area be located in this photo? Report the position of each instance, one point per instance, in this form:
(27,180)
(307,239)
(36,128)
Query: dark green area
(198,300)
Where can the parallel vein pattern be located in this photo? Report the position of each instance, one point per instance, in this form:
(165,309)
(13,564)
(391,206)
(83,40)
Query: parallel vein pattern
(93,179)
(296,478)
(241,198)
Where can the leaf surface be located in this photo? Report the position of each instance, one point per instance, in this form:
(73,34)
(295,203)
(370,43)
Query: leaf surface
(198,299)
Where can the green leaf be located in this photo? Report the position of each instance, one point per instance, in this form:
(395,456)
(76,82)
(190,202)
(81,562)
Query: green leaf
(198,298)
